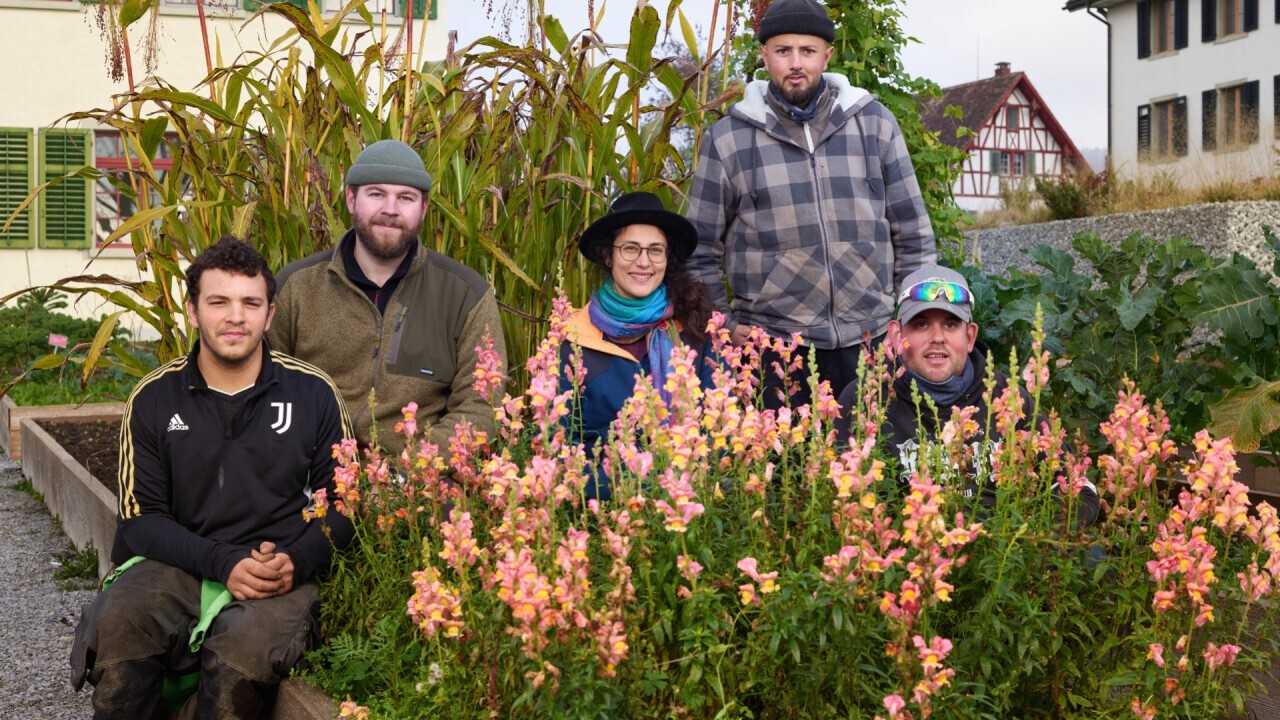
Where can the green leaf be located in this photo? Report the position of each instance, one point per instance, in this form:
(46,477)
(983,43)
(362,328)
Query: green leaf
(182,99)
(1133,309)
(554,31)
(1246,414)
(1273,241)
(243,216)
(131,10)
(100,340)
(1052,259)
(690,37)
(138,220)
(1238,300)
(645,24)
(51,361)
(152,134)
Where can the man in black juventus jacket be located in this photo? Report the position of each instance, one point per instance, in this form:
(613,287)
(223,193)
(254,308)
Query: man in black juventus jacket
(220,453)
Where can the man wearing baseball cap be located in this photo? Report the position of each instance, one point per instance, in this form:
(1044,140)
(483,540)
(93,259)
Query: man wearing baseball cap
(381,312)
(935,338)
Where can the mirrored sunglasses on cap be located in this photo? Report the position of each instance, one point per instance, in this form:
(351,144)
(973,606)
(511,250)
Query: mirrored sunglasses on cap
(934,289)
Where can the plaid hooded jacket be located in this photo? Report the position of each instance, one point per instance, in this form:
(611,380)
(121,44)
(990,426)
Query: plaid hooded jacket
(815,239)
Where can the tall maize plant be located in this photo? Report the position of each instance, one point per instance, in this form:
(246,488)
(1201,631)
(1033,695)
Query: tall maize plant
(526,142)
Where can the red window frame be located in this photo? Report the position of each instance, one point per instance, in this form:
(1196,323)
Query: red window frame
(110,206)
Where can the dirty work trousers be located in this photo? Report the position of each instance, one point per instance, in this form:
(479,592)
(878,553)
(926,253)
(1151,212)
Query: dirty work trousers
(138,629)
(838,367)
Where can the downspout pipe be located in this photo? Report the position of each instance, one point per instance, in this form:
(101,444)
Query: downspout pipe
(1100,14)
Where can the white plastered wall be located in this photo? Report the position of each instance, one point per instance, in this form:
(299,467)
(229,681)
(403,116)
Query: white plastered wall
(1188,72)
(54,63)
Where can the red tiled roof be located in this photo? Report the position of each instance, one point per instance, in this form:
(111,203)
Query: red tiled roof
(978,100)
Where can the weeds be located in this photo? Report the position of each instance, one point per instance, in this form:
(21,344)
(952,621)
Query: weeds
(77,569)
(25,486)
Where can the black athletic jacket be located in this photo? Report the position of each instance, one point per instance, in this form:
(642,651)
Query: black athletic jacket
(199,496)
(903,421)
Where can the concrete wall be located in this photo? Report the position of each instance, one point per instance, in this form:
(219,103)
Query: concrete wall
(1220,228)
(1187,73)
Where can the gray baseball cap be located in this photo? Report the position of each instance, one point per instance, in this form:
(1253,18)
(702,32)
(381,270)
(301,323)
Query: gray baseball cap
(917,293)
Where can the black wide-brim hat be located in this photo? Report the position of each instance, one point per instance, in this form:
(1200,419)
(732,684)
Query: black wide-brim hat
(638,208)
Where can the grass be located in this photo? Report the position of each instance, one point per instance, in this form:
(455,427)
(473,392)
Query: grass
(1020,206)
(1010,217)
(1156,191)
(24,485)
(77,569)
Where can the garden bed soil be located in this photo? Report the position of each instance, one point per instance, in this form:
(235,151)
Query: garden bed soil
(12,414)
(95,444)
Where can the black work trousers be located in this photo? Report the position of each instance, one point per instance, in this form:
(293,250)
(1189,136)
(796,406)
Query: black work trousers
(838,367)
(137,632)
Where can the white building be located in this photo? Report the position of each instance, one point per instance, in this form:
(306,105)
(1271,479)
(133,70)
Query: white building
(1193,86)
(1015,137)
(55,63)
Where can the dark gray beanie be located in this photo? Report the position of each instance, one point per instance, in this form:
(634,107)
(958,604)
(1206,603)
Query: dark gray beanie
(389,162)
(800,17)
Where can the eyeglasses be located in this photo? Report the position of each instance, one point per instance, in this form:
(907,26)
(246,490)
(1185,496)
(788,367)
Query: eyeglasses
(631,251)
(934,288)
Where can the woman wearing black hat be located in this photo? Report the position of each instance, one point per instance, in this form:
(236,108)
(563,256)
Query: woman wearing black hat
(647,306)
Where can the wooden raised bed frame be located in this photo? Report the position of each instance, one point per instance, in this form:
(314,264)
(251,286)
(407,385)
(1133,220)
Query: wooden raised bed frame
(11,415)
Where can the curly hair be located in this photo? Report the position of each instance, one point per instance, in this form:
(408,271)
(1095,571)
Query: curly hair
(689,299)
(233,255)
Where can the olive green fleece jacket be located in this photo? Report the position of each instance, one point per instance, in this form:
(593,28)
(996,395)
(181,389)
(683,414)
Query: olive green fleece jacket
(423,349)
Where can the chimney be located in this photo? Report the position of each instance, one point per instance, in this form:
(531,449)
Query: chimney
(1002,69)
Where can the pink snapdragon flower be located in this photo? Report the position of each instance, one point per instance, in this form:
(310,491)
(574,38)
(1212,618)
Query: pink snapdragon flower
(349,709)
(1220,655)
(489,378)
(435,607)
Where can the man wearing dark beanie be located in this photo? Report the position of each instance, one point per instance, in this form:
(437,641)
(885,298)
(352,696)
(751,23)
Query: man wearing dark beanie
(806,204)
(381,312)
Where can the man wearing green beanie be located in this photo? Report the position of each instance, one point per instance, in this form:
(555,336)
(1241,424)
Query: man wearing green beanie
(381,312)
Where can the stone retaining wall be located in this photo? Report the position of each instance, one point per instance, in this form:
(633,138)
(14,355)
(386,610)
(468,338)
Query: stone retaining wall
(1220,228)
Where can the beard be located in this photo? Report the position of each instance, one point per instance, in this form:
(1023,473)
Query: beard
(800,96)
(392,249)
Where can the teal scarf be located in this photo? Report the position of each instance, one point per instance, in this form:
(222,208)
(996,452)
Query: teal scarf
(621,318)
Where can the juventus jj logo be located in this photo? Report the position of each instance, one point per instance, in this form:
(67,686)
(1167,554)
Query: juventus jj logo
(284,417)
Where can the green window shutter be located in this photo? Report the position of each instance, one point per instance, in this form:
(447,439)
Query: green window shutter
(419,7)
(17,177)
(993,162)
(252,5)
(1031,164)
(65,210)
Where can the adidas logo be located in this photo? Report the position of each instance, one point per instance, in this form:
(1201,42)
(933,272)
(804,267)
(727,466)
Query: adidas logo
(175,423)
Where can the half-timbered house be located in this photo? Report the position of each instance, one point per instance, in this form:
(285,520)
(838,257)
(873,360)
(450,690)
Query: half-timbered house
(1011,136)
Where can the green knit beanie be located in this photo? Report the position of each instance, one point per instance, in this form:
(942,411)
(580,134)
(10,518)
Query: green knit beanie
(389,162)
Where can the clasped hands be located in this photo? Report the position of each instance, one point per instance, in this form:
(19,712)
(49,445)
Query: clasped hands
(264,574)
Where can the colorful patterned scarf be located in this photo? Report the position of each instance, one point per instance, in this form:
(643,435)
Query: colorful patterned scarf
(626,320)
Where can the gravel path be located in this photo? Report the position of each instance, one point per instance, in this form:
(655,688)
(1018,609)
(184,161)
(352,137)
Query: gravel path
(38,617)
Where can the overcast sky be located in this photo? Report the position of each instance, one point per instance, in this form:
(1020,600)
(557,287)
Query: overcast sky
(1063,54)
